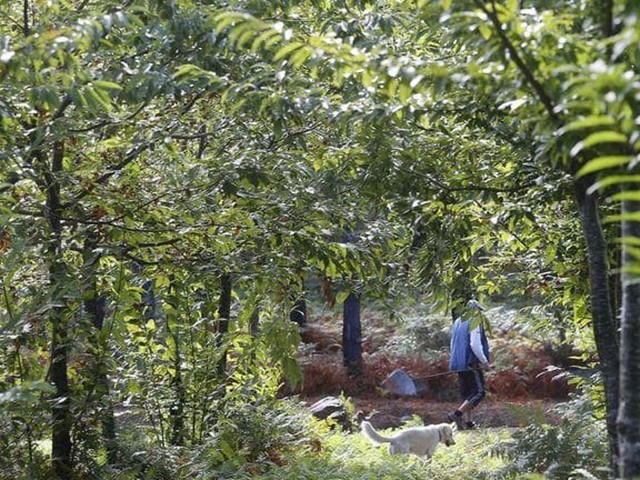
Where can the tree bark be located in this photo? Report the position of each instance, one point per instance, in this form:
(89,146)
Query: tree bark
(60,410)
(629,414)
(177,408)
(604,325)
(224,312)
(25,18)
(352,335)
(95,305)
(254,324)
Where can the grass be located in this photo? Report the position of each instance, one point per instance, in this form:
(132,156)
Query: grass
(353,457)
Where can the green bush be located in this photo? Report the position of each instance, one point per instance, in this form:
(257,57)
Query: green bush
(421,332)
(23,423)
(575,448)
(246,432)
(353,457)
(251,436)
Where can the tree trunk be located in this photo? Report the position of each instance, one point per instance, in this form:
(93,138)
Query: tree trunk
(629,414)
(604,325)
(352,335)
(224,312)
(180,400)
(95,308)
(177,408)
(60,410)
(254,324)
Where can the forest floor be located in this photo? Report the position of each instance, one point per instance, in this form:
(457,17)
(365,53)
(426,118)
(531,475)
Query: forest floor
(519,390)
(389,412)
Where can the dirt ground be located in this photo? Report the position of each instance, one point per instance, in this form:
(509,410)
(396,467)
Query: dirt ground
(392,412)
(517,396)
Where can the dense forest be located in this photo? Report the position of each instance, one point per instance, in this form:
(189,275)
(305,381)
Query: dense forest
(179,178)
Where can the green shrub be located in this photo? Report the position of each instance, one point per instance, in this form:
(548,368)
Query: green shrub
(24,422)
(251,436)
(353,457)
(424,333)
(575,448)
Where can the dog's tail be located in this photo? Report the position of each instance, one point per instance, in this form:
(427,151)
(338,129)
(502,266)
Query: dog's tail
(370,432)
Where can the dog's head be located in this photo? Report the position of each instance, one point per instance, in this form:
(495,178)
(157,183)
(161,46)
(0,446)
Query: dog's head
(446,434)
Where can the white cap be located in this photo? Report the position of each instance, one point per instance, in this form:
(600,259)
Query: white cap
(474,305)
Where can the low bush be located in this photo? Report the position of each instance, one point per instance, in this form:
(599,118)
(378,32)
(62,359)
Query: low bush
(251,437)
(574,448)
(353,457)
(23,423)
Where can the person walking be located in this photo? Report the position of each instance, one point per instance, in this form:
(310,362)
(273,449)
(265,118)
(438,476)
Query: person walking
(469,357)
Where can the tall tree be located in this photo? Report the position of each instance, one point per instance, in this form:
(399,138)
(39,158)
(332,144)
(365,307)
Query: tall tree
(58,280)
(352,334)
(95,305)
(629,415)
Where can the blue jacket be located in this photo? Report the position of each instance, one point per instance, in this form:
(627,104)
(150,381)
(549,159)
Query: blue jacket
(462,356)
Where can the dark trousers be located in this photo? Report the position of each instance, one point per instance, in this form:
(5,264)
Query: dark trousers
(472,385)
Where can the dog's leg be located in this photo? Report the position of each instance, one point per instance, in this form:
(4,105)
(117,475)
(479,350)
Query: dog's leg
(399,447)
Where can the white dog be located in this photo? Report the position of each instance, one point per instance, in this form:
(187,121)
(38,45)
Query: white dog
(421,441)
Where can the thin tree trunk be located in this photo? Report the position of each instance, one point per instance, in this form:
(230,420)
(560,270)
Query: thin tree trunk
(604,325)
(254,324)
(60,411)
(352,335)
(95,308)
(178,406)
(605,15)
(629,414)
(224,312)
(25,18)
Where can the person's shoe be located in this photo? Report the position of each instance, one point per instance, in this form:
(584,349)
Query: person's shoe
(457,419)
(470,426)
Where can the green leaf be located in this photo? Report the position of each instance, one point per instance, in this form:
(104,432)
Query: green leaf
(287,50)
(404,92)
(603,163)
(624,217)
(266,38)
(598,138)
(105,85)
(628,241)
(26,392)
(633,251)
(187,70)
(300,57)
(238,32)
(613,180)
(96,99)
(227,449)
(485,30)
(588,122)
(632,195)
(631,269)
(342,296)
(229,18)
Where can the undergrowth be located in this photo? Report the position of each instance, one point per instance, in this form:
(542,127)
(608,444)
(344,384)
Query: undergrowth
(575,448)
(351,457)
